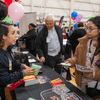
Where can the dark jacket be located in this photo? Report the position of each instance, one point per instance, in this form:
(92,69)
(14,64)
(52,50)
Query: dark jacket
(30,39)
(6,76)
(78,33)
(42,46)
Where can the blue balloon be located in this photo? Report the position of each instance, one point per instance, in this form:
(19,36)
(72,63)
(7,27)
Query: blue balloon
(75,26)
(17,23)
(74,14)
(87,20)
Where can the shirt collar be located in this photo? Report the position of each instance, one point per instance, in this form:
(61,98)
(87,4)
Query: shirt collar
(52,30)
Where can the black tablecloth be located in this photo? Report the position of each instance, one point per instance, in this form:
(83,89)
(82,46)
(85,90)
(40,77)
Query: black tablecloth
(34,91)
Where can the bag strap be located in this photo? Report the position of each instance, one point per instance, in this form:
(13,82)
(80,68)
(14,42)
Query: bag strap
(95,86)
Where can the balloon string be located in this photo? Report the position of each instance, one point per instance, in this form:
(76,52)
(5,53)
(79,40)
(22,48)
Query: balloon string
(20,2)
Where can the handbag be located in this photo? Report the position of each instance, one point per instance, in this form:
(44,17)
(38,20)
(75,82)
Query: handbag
(68,75)
(92,92)
(68,48)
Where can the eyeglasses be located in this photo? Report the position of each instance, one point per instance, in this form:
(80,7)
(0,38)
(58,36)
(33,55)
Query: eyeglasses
(90,29)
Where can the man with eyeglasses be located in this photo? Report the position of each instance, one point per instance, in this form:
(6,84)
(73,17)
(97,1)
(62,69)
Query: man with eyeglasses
(49,44)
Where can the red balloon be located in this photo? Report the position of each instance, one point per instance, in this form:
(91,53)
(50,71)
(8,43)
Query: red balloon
(8,2)
(73,18)
(84,23)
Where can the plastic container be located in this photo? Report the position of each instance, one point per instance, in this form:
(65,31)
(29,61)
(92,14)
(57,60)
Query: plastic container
(60,89)
(70,96)
(46,94)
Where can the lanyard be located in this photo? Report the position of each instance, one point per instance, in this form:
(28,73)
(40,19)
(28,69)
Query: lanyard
(10,64)
(10,61)
(91,59)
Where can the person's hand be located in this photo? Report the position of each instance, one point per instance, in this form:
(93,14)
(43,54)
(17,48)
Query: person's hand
(29,71)
(68,66)
(25,66)
(88,75)
(23,35)
(90,68)
(42,59)
(66,61)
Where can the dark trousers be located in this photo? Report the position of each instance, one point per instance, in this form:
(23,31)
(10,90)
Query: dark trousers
(2,94)
(33,52)
(54,61)
(73,48)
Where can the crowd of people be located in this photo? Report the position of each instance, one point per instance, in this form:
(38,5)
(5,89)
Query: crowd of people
(47,45)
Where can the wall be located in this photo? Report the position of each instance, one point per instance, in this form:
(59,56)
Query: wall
(24,22)
(62,8)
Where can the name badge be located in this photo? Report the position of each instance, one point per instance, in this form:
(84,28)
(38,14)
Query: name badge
(89,55)
(47,40)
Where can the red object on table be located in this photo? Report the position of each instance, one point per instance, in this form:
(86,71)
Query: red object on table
(15,84)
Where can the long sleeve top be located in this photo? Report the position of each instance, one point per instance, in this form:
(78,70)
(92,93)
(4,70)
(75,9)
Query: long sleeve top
(7,76)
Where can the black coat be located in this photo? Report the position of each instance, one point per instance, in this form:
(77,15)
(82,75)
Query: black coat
(42,46)
(78,33)
(30,39)
(7,77)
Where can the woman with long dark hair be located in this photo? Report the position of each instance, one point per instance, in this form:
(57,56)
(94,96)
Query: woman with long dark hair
(87,54)
(10,69)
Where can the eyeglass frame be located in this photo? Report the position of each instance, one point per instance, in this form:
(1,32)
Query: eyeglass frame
(90,29)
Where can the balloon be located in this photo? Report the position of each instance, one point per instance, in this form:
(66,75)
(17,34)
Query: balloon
(74,14)
(3,10)
(7,19)
(89,17)
(75,26)
(83,27)
(73,18)
(79,17)
(85,24)
(87,20)
(17,23)
(9,1)
(63,24)
(15,11)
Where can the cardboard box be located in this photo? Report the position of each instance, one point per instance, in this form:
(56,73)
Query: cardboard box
(30,80)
